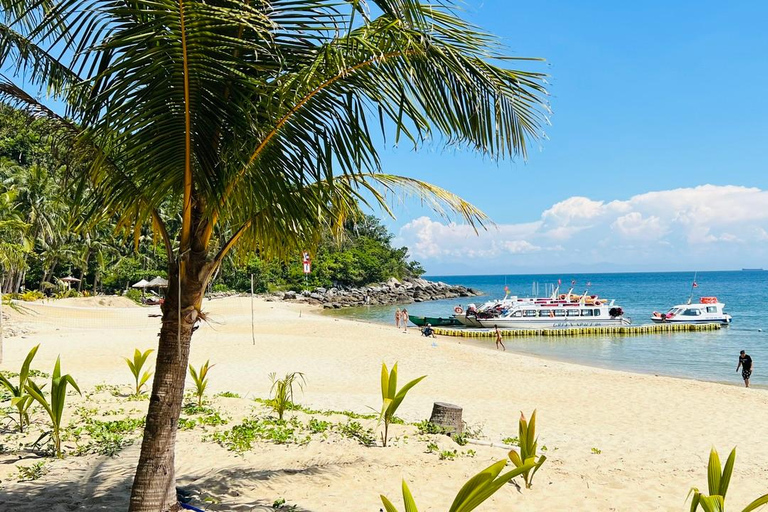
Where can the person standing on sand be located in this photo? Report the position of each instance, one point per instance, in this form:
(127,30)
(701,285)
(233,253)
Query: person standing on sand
(397,318)
(745,363)
(499,339)
(404,319)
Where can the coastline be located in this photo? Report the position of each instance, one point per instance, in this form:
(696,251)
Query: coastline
(641,424)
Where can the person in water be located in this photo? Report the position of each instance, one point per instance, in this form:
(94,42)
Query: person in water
(745,363)
(498,338)
(397,318)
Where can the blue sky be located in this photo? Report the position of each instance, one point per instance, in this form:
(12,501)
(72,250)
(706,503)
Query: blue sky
(663,97)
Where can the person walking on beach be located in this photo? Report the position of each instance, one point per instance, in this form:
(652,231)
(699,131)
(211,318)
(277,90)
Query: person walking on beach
(499,339)
(397,318)
(404,319)
(745,363)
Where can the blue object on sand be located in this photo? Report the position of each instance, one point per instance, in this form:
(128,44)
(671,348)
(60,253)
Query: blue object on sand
(187,506)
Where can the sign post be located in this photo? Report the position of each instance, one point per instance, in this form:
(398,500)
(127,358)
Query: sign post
(307,264)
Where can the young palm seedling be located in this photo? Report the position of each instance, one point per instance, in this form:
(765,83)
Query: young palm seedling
(54,408)
(718,480)
(282,391)
(477,489)
(201,380)
(390,397)
(527,442)
(19,396)
(137,365)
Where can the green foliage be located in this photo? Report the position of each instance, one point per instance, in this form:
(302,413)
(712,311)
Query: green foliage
(427,427)
(511,441)
(106,437)
(33,472)
(319,426)
(391,398)
(240,438)
(134,294)
(227,394)
(718,481)
(527,456)
(136,365)
(448,454)
(200,379)
(354,430)
(596,451)
(281,392)
(20,398)
(58,396)
(477,489)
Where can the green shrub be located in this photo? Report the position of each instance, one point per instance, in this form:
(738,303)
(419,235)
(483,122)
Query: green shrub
(390,397)
(281,393)
(477,489)
(718,480)
(136,366)
(200,379)
(54,408)
(134,294)
(19,396)
(527,455)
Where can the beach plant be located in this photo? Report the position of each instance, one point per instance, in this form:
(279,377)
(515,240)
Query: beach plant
(281,393)
(33,472)
(391,398)
(474,492)
(54,408)
(253,126)
(718,480)
(20,398)
(136,365)
(527,441)
(200,378)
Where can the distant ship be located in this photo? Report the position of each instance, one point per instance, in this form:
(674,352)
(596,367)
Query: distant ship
(751,270)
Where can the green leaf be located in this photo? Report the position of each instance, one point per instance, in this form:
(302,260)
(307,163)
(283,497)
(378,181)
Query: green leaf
(387,504)
(725,479)
(713,472)
(410,504)
(759,502)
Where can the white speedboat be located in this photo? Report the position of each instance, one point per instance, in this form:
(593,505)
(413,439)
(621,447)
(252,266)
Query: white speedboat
(707,311)
(560,313)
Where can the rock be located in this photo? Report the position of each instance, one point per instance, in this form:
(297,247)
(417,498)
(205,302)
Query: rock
(290,295)
(320,290)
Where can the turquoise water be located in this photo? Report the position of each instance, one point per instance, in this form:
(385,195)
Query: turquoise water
(704,356)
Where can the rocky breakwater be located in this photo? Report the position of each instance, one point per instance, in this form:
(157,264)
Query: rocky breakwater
(391,292)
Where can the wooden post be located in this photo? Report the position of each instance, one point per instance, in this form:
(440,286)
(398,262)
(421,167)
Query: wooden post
(1,319)
(253,331)
(447,416)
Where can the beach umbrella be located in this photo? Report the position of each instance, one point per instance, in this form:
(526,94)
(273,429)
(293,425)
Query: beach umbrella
(70,279)
(159,282)
(141,284)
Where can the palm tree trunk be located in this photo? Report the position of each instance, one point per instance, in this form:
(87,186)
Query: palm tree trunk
(154,484)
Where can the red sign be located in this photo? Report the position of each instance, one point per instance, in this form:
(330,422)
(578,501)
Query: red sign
(708,300)
(306,262)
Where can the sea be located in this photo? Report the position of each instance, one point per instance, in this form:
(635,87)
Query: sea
(708,356)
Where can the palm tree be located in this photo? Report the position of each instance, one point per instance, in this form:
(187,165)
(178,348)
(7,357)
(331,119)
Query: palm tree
(251,122)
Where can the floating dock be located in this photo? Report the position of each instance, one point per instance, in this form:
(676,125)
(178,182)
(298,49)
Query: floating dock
(619,330)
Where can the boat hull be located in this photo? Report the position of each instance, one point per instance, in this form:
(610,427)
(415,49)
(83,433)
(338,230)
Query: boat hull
(467,321)
(549,323)
(421,321)
(721,321)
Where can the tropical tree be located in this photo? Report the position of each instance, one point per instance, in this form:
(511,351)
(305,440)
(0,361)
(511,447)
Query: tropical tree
(250,123)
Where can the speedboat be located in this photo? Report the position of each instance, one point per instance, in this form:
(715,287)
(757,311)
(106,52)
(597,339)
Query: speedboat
(707,311)
(558,311)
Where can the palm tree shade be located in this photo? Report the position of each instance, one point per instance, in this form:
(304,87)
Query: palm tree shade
(240,125)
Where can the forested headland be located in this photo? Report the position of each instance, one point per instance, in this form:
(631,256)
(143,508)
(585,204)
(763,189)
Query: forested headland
(44,236)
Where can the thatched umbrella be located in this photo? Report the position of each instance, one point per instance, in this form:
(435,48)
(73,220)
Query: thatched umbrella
(141,284)
(158,282)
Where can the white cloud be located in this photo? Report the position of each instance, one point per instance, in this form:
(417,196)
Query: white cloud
(717,226)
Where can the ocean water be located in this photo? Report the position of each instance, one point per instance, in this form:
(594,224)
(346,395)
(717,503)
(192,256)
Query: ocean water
(710,356)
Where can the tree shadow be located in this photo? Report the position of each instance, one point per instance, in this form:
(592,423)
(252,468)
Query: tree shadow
(105,485)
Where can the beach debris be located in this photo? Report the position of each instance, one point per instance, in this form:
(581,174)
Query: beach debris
(447,416)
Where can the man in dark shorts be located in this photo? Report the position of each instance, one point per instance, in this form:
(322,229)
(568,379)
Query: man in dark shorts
(745,363)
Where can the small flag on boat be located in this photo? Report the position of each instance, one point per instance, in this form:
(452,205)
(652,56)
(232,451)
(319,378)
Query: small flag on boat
(559,281)
(506,289)
(573,282)
(589,283)
(695,285)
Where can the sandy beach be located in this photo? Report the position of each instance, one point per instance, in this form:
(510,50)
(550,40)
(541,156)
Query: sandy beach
(615,440)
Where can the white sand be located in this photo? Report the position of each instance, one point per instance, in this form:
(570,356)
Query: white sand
(654,433)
